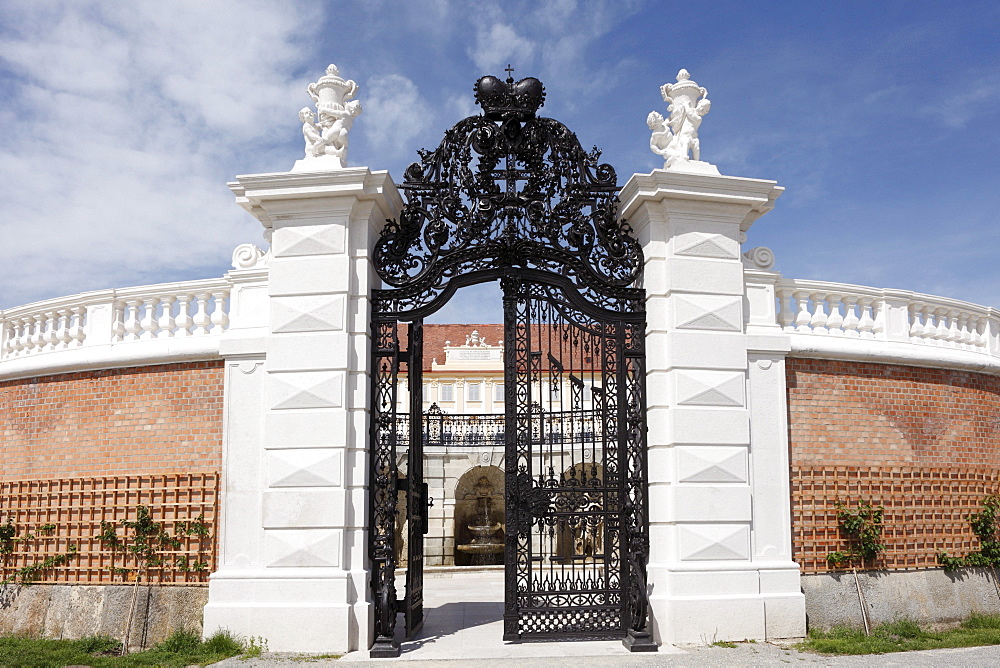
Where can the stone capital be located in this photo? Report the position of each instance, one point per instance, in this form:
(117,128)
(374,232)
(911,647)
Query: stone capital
(289,195)
(740,199)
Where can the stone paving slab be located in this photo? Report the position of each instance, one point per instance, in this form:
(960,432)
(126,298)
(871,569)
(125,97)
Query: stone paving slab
(463,627)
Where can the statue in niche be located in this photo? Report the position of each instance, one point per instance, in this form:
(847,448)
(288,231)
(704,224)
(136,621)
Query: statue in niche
(326,132)
(676,137)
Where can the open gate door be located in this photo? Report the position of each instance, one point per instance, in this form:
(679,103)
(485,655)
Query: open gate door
(571,467)
(416,488)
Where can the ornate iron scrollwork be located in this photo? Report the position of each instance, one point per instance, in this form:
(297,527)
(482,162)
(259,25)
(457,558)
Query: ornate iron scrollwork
(512,196)
(532,501)
(507,188)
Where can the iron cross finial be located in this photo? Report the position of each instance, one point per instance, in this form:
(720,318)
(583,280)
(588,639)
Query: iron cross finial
(509,71)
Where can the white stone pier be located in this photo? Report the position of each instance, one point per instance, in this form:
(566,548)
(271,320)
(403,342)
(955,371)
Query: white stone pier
(293,563)
(720,563)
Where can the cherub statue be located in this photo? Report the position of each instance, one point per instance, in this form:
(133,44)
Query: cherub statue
(336,124)
(325,133)
(684,122)
(310,132)
(659,143)
(676,138)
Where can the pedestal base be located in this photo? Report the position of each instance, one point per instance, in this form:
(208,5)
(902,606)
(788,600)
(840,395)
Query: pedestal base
(384,648)
(639,641)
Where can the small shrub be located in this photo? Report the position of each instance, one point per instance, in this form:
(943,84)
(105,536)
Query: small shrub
(181,641)
(254,646)
(224,642)
(978,621)
(984,525)
(862,527)
(98,645)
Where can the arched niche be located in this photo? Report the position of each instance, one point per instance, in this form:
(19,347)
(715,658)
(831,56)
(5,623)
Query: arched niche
(479,501)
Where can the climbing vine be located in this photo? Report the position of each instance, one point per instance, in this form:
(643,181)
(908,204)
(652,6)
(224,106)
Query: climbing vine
(146,543)
(862,527)
(10,535)
(984,525)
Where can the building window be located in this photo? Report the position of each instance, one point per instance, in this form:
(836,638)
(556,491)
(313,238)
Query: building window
(498,392)
(447,392)
(473,392)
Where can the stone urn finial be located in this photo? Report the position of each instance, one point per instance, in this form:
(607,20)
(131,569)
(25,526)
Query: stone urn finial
(326,130)
(676,136)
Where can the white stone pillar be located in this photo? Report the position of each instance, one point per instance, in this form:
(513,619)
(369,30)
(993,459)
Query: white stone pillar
(293,565)
(720,564)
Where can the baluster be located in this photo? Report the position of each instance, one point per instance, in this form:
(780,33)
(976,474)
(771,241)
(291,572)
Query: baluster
(38,335)
(27,323)
(916,324)
(803,317)
(201,319)
(183,320)
(835,322)
(851,319)
(940,326)
(977,330)
(867,323)
(118,321)
(49,334)
(818,320)
(166,322)
(930,326)
(879,311)
(132,324)
(964,337)
(787,313)
(220,319)
(7,339)
(149,324)
(78,332)
(954,337)
(62,331)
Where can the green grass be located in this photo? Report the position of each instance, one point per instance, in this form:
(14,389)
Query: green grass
(724,643)
(904,636)
(182,648)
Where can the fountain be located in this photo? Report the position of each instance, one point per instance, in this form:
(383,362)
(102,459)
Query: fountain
(485,544)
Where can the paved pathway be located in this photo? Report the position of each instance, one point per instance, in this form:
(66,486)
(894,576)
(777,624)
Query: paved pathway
(463,627)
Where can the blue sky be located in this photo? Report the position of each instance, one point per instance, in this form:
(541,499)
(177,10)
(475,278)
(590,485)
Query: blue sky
(122,122)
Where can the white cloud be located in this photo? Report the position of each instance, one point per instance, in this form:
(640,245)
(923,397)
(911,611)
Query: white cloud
(498,45)
(394,115)
(122,121)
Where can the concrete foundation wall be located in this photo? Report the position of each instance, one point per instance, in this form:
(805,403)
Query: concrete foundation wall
(76,611)
(929,596)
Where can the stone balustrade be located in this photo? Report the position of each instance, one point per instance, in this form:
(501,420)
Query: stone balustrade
(841,313)
(143,324)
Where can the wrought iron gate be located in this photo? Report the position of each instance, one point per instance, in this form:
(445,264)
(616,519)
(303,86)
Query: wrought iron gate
(513,197)
(575,466)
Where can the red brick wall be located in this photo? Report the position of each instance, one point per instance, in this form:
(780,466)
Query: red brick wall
(862,414)
(923,443)
(140,420)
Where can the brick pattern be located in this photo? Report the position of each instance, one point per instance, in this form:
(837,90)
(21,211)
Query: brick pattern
(925,511)
(73,509)
(132,421)
(861,414)
(924,443)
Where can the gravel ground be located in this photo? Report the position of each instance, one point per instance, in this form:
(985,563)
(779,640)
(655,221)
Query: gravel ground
(744,654)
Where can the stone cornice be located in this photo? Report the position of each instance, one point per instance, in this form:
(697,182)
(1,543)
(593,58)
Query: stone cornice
(756,194)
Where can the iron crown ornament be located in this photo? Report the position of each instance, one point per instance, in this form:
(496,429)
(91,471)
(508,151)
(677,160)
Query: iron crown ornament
(508,188)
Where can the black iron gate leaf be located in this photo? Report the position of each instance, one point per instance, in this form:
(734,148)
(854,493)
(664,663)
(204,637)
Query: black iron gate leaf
(512,196)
